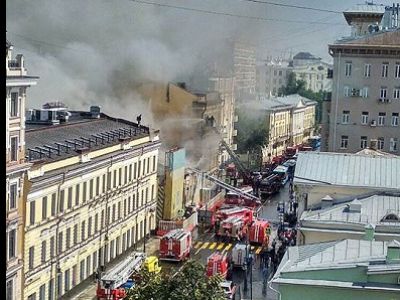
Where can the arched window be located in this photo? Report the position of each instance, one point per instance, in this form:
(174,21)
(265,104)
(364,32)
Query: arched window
(391,217)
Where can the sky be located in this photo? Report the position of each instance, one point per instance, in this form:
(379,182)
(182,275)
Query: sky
(90,52)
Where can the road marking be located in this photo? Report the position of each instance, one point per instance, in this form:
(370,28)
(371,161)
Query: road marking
(205,245)
(220,246)
(197,251)
(198,244)
(228,247)
(258,250)
(212,246)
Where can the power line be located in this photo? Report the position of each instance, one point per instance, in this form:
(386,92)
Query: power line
(294,6)
(229,14)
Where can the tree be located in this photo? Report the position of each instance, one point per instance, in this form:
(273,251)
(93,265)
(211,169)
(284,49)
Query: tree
(190,283)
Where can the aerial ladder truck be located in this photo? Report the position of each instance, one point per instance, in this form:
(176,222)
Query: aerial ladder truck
(110,285)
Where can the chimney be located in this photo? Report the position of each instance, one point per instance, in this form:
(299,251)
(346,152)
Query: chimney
(355,206)
(327,201)
(393,252)
(369,232)
(373,143)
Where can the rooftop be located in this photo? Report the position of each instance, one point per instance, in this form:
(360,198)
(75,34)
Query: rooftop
(81,131)
(354,170)
(305,55)
(373,210)
(374,152)
(366,8)
(383,38)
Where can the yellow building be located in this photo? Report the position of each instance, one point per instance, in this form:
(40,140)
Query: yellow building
(17,83)
(91,195)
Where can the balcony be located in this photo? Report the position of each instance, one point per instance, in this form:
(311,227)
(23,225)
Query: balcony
(234,132)
(15,67)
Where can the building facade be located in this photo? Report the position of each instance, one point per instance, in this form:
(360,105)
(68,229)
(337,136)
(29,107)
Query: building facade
(91,196)
(272,75)
(365,103)
(17,82)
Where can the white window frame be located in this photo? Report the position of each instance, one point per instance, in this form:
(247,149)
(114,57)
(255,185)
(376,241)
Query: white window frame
(396,93)
(363,142)
(348,68)
(364,119)
(347,90)
(17,109)
(12,183)
(394,144)
(9,244)
(395,120)
(397,70)
(381,143)
(367,70)
(381,120)
(364,92)
(17,147)
(385,70)
(383,93)
(344,142)
(346,117)
(12,296)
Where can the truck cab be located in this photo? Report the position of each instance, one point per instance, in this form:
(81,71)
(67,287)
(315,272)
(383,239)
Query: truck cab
(151,265)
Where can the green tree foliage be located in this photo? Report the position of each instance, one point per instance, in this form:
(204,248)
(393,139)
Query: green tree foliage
(252,130)
(190,283)
(299,87)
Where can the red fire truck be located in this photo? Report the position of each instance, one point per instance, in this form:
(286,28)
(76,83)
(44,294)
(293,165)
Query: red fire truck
(259,232)
(245,213)
(231,171)
(232,198)
(217,264)
(175,245)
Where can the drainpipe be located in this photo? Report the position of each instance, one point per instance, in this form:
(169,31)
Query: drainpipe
(336,104)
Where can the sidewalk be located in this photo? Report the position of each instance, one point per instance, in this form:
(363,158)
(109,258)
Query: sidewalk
(87,289)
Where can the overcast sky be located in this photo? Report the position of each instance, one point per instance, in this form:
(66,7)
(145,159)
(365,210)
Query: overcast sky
(86,50)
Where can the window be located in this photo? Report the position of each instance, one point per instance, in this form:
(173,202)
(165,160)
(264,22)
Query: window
(60,242)
(44,208)
(75,234)
(32,296)
(115,179)
(31,257)
(82,270)
(381,119)
(383,93)
(14,148)
(96,222)
(393,144)
(347,91)
(148,165)
(91,182)
(139,167)
(90,226)
(109,180)
(104,183)
(126,175)
(364,92)
(12,243)
(14,105)
(10,290)
(113,212)
(367,70)
(97,186)
(154,163)
(134,170)
(94,258)
(32,213)
(348,68)
(69,204)
(43,253)
(130,173)
(396,93)
(385,69)
(42,292)
(68,238)
(13,195)
(52,247)
(59,285)
(102,219)
(84,192)
(74,273)
(83,229)
(381,143)
(344,142)
(397,70)
(88,267)
(395,119)
(53,205)
(120,176)
(152,192)
(66,280)
(51,289)
(346,117)
(62,194)
(364,141)
(119,210)
(77,194)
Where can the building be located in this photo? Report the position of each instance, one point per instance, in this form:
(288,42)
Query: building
(272,75)
(313,71)
(343,175)
(91,195)
(365,103)
(343,269)
(17,83)
(338,219)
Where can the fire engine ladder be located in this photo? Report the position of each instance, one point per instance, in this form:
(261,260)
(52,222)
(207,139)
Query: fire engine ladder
(225,185)
(120,273)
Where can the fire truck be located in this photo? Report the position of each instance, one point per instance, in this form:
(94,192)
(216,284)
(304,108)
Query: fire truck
(110,284)
(282,172)
(290,152)
(270,185)
(231,227)
(244,213)
(259,232)
(217,264)
(175,245)
(233,198)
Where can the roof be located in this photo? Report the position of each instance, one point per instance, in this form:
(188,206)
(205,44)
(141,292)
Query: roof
(366,8)
(343,169)
(305,55)
(384,38)
(373,210)
(335,254)
(279,103)
(294,99)
(374,152)
(80,127)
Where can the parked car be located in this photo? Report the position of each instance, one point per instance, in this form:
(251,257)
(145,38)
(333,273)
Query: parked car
(229,288)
